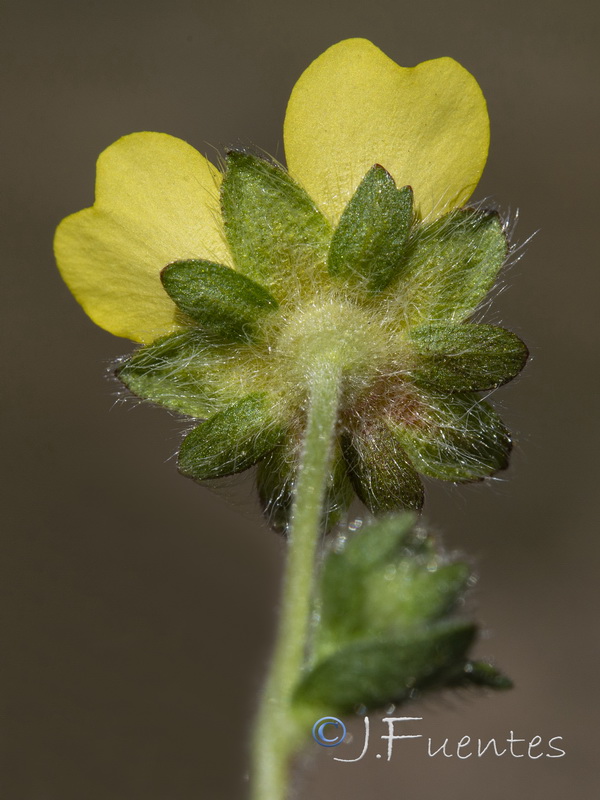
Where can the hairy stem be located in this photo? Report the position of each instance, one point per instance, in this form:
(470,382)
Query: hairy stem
(277,736)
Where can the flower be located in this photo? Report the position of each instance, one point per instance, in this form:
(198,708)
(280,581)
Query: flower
(362,253)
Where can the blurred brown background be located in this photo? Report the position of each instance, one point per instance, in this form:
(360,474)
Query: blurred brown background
(141,607)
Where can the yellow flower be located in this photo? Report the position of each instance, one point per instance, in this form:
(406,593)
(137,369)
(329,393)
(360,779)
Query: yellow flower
(361,255)
(157,199)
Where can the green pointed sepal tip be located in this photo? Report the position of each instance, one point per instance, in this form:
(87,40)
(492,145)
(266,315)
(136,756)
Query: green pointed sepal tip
(232,440)
(226,304)
(368,244)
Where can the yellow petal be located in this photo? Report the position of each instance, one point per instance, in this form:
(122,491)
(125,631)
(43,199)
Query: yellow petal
(354,107)
(157,201)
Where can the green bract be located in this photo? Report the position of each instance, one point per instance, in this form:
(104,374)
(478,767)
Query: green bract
(384,296)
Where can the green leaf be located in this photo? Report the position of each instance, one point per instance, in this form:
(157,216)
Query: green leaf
(385,580)
(344,579)
(226,304)
(454,437)
(180,372)
(274,230)
(481,673)
(409,593)
(276,478)
(452,264)
(465,357)
(384,599)
(368,243)
(380,471)
(230,441)
(374,673)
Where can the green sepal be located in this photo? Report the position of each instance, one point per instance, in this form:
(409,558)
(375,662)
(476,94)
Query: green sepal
(276,477)
(225,303)
(374,673)
(465,357)
(385,580)
(368,244)
(380,471)
(179,371)
(274,230)
(231,441)
(455,437)
(451,265)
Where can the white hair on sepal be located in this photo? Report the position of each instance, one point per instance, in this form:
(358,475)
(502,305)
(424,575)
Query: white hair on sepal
(238,491)
(515,252)
(489,311)
(120,393)
(446,202)
(510,221)
(122,396)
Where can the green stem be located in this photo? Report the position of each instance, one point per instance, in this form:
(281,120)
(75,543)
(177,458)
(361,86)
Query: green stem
(276,735)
